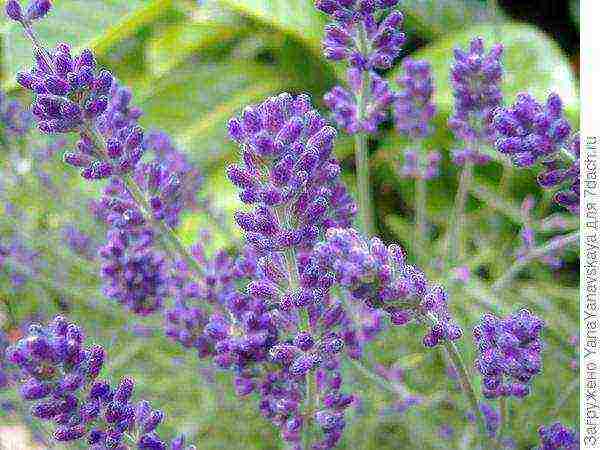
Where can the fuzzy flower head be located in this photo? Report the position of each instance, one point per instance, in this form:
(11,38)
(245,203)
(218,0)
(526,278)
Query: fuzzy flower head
(287,166)
(414,108)
(476,77)
(530,132)
(73,95)
(380,277)
(60,376)
(558,437)
(509,353)
(133,274)
(364,33)
(343,103)
(36,10)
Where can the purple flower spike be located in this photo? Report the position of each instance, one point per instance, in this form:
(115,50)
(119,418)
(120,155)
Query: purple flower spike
(60,375)
(529,132)
(364,34)
(13,10)
(133,274)
(343,103)
(558,437)
(288,140)
(476,77)
(379,277)
(38,9)
(509,353)
(413,107)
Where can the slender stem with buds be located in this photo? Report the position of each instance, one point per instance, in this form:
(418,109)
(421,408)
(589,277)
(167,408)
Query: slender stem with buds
(361,149)
(536,253)
(293,275)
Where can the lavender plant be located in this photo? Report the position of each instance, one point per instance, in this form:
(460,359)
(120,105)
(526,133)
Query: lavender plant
(367,36)
(60,375)
(306,293)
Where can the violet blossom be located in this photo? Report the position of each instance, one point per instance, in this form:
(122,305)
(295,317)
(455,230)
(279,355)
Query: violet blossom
(476,77)
(509,353)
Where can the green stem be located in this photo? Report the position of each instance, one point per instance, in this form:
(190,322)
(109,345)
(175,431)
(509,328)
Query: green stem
(420,205)
(463,374)
(465,381)
(536,253)
(503,418)
(455,238)
(361,148)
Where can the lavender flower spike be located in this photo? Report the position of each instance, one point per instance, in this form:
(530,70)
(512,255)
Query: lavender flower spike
(355,24)
(509,353)
(558,437)
(476,78)
(60,376)
(529,132)
(344,107)
(380,277)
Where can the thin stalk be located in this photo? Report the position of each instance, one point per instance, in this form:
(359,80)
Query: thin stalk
(465,381)
(455,238)
(361,152)
(463,374)
(420,204)
(536,253)
(503,418)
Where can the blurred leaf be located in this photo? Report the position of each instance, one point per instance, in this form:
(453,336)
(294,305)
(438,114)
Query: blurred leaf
(195,102)
(298,18)
(533,62)
(207,27)
(99,24)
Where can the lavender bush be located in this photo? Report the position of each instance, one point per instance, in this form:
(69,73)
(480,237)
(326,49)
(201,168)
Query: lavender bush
(281,307)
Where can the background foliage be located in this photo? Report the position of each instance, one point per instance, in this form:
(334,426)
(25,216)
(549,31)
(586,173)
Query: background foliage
(191,67)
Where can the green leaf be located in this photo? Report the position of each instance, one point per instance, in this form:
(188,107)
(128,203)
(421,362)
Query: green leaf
(533,62)
(195,101)
(97,24)
(298,18)
(207,27)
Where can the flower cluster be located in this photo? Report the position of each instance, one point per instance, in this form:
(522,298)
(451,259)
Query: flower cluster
(176,162)
(476,78)
(36,10)
(72,95)
(413,111)
(558,437)
(414,107)
(365,43)
(60,375)
(287,167)
(380,277)
(356,36)
(509,353)
(344,107)
(530,132)
(133,273)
